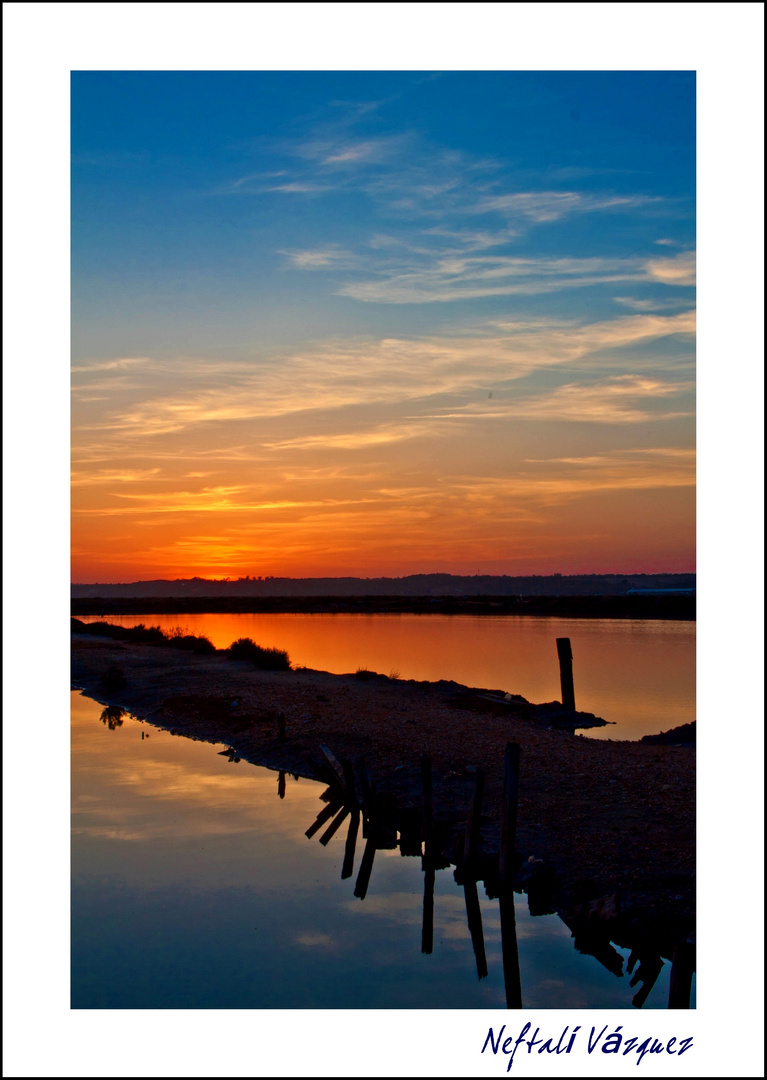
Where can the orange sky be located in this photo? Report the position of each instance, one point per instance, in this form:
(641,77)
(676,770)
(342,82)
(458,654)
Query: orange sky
(351,334)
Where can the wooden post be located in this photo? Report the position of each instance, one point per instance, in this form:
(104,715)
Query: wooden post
(427,930)
(682,967)
(565,653)
(506,869)
(511,976)
(332,828)
(474,918)
(366,866)
(428,808)
(281,785)
(509,814)
(331,809)
(351,843)
(351,789)
(427,862)
(471,839)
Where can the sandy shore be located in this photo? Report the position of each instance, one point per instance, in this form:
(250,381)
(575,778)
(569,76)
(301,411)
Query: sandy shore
(611,819)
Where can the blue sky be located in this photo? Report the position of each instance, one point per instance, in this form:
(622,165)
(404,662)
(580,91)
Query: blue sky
(212,205)
(317,308)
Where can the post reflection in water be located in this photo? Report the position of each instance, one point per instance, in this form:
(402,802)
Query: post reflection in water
(173,843)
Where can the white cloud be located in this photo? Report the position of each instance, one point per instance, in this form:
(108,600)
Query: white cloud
(391,370)
(679,270)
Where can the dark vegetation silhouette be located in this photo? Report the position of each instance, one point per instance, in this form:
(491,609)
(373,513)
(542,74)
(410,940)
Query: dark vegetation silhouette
(113,717)
(267,659)
(147,635)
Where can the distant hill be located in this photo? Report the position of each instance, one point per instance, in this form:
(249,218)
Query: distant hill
(437,585)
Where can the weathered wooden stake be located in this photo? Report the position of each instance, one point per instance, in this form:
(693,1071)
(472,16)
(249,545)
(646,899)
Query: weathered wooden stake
(428,808)
(331,830)
(680,984)
(351,843)
(366,866)
(474,918)
(281,785)
(351,790)
(331,809)
(509,814)
(471,839)
(511,976)
(565,653)
(427,931)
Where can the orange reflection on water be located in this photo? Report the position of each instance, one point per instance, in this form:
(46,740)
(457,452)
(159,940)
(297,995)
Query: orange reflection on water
(640,674)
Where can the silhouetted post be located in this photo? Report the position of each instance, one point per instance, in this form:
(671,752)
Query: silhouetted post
(506,868)
(351,843)
(351,789)
(281,785)
(509,813)
(565,653)
(333,827)
(680,984)
(474,918)
(428,808)
(471,839)
(427,930)
(366,866)
(323,816)
(511,976)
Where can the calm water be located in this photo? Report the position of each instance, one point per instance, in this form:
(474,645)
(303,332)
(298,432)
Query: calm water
(640,674)
(194,886)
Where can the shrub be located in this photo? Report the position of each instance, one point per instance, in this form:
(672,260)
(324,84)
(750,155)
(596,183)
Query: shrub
(266,659)
(199,645)
(112,716)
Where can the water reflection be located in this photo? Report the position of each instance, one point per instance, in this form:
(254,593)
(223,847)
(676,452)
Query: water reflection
(174,849)
(639,674)
(351,792)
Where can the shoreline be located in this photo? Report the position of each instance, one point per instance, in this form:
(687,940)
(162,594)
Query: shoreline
(676,608)
(613,822)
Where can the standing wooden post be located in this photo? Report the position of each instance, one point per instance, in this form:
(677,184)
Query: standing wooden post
(474,919)
(509,815)
(428,808)
(427,929)
(351,790)
(427,861)
(680,983)
(506,869)
(565,653)
(471,839)
(281,785)
(511,976)
(366,866)
(351,842)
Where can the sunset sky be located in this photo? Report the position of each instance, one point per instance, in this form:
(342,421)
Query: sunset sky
(331,323)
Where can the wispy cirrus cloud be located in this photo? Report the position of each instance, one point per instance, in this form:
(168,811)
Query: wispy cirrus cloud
(679,270)
(404,272)
(622,399)
(389,371)
(344,374)
(543,206)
